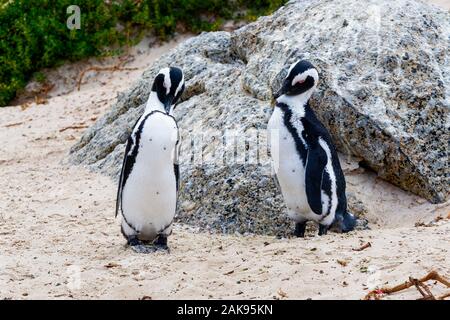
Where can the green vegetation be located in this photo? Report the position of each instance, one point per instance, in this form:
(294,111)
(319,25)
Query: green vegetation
(34,35)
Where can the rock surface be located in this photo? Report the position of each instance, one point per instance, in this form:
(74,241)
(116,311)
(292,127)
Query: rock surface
(384,94)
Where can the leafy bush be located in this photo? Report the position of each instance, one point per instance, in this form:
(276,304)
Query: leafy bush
(34,35)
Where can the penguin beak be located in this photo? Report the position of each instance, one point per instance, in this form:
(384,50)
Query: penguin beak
(284,89)
(275,96)
(168,103)
(273,102)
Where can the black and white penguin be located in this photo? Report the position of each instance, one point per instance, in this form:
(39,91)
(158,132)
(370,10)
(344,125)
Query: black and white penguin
(304,158)
(147,192)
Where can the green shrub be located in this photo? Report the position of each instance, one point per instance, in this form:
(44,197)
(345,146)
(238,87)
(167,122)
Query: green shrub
(34,35)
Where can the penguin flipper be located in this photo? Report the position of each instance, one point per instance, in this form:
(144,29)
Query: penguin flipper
(314,173)
(124,173)
(176,166)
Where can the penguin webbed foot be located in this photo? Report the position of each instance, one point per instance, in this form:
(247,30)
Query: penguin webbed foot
(161,243)
(142,248)
(300,228)
(362,224)
(323,229)
(139,247)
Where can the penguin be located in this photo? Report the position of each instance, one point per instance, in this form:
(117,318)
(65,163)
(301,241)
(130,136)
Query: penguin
(148,183)
(304,158)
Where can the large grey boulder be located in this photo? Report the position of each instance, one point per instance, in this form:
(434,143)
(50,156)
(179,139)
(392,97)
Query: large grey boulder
(384,94)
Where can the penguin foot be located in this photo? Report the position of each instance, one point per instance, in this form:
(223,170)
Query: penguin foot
(323,230)
(161,243)
(362,224)
(300,228)
(162,247)
(142,248)
(139,247)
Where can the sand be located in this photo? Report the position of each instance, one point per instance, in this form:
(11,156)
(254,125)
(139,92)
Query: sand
(59,238)
(443,4)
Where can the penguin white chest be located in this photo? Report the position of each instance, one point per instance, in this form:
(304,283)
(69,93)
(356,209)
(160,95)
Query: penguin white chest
(288,166)
(149,194)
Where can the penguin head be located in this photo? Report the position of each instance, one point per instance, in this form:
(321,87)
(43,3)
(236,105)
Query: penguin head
(344,222)
(169,85)
(302,77)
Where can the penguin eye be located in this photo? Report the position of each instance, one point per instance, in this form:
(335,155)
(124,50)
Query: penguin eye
(300,81)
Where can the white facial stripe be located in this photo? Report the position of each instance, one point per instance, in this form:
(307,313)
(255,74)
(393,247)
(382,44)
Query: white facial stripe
(167,81)
(180,85)
(302,77)
(292,66)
